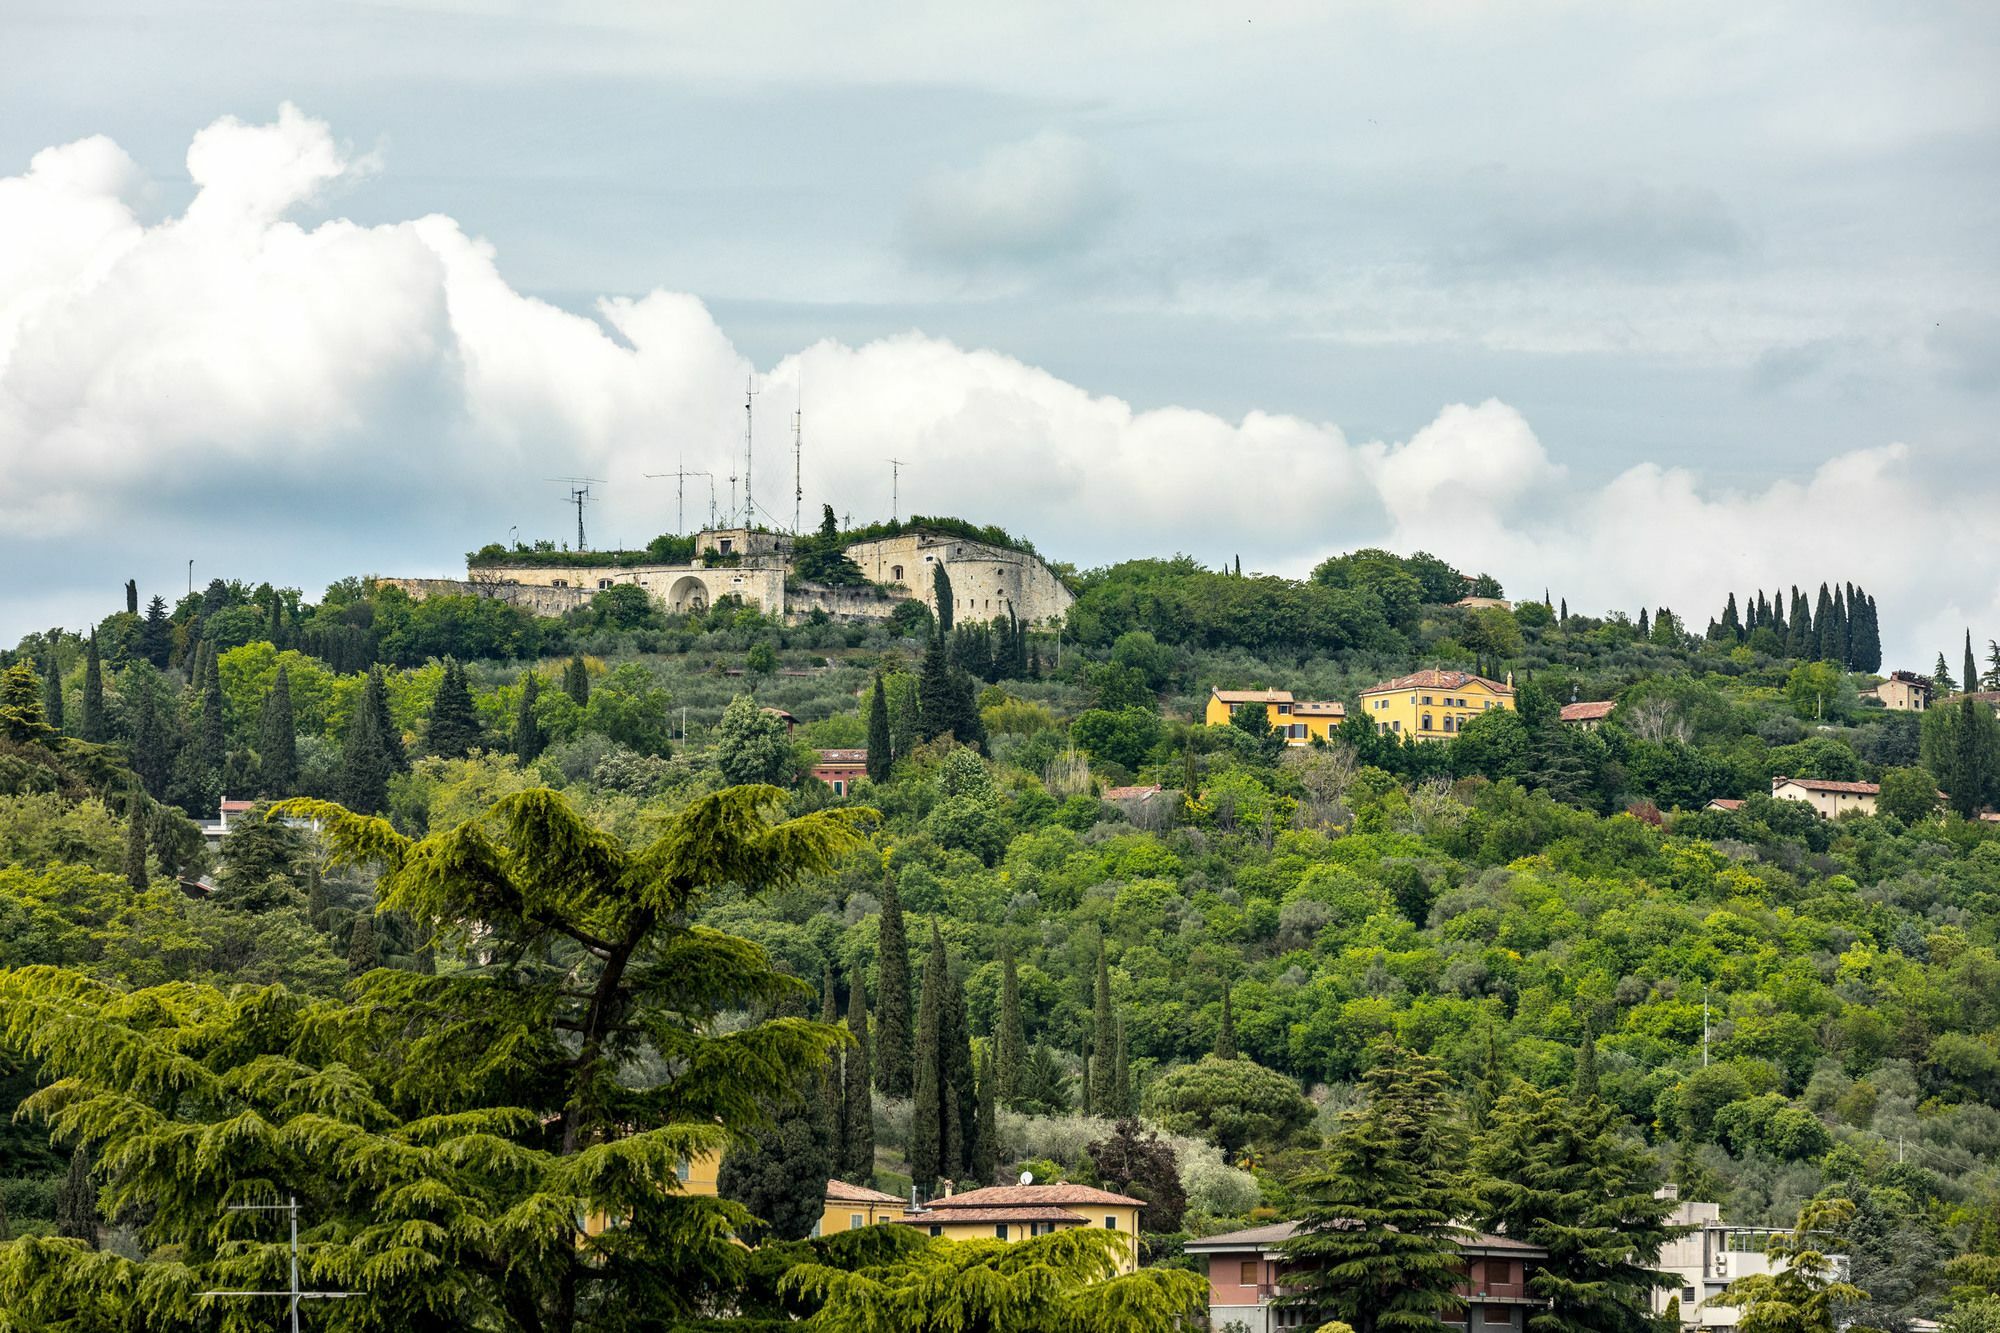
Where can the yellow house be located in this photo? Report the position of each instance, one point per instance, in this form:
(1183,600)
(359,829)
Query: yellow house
(851,1207)
(1301,720)
(1016,1212)
(1433,705)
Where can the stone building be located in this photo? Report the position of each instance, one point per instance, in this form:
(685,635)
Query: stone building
(988,582)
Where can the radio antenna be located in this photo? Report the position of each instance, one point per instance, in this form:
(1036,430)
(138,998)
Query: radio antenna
(895,487)
(680,476)
(579,495)
(750,392)
(798,452)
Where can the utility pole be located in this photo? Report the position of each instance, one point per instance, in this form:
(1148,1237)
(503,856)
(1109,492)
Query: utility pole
(293,1293)
(749,436)
(895,487)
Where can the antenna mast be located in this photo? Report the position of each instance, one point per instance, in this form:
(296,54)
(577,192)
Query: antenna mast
(895,487)
(798,476)
(293,1292)
(680,476)
(579,495)
(749,434)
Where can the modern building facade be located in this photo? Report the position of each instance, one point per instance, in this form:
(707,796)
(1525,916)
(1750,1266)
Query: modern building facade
(1433,705)
(1708,1259)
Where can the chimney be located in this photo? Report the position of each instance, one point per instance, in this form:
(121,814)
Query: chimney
(947,1189)
(1510,680)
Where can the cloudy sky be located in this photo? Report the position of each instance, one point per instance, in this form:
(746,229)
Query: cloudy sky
(1634,302)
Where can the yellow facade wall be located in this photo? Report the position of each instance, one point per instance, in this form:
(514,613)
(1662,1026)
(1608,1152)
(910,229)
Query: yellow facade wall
(1431,712)
(1126,1225)
(1313,727)
(844,1216)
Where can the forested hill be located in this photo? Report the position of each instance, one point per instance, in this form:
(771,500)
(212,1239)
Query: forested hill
(1135,912)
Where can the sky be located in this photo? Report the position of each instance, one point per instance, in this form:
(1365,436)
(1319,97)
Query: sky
(1638,304)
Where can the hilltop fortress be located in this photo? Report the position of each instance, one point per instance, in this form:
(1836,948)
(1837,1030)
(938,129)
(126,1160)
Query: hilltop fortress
(988,581)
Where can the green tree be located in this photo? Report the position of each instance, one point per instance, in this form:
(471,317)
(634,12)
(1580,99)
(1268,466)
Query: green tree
(1814,689)
(751,745)
(1970,681)
(364,946)
(942,605)
(1103,1037)
(1011,1040)
(528,740)
(857,1138)
(134,865)
(1377,1245)
(21,719)
(156,634)
(1908,794)
(762,659)
(1065,1281)
(576,681)
(278,739)
(365,763)
(1236,1103)
(821,557)
(260,863)
(52,690)
(779,1173)
(93,724)
(983,1158)
(77,1216)
(1804,1291)
(1225,1031)
(454,730)
(1124,736)
(1558,1174)
(930,1099)
(1138,1164)
(881,750)
(893,1068)
(1960,744)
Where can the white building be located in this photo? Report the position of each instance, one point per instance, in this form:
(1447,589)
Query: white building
(1711,1257)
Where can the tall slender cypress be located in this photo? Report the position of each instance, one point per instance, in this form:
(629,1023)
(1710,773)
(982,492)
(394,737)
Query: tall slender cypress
(576,681)
(892,995)
(1225,1034)
(961,1102)
(211,738)
(93,725)
(134,867)
(131,597)
(278,739)
(1835,645)
(1011,1041)
(1583,1084)
(52,691)
(1821,646)
(984,1161)
(881,749)
(453,730)
(833,1087)
(1103,1037)
(941,594)
(1798,631)
(936,701)
(1121,1076)
(377,697)
(528,738)
(365,766)
(857,1136)
(926,1148)
(1970,680)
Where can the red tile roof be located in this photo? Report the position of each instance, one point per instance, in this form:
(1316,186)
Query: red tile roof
(1273,1234)
(1432,679)
(1725,803)
(830,758)
(1588,712)
(839,1191)
(1011,1196)
(936,1216)
(1319,708)
(1253,696)
(1131,793)
(1832,788)
(236,806)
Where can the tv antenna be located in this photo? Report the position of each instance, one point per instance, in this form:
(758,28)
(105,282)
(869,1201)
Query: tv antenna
(895,486)
(750,392)
(680,476)
(579,495)
(293,1293)
(1027,1177)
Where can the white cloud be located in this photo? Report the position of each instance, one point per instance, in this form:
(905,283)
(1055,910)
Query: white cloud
(346,398)
(1045,195)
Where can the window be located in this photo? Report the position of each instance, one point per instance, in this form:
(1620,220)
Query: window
(683,1168)
(558,583)
(1110,1224)
(1246,1273)
(1427,722)
(1297,731)
(855,1221)
(604,583)
(839,787)
(1450,722)
(1427,701)
(1395,726)
(896,573)
(936,1230)
(1284,708)
(1687,1296)
(1000,1230)
(727,545)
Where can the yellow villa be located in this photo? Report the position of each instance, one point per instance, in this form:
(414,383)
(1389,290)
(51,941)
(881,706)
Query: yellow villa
(847,1207)
(1016,1212)
(1301,720)
(1433,705)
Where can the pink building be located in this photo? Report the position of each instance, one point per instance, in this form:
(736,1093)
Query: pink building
(841,769)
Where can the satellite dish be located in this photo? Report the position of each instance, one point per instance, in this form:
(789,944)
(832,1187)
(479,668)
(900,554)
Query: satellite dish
(1027,1177)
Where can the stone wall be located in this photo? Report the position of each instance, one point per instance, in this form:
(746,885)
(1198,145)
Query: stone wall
(846,604)
(538,600)
(986,580)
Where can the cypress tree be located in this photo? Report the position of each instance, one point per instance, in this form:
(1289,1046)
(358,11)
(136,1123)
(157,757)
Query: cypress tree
(317,898)
(364,952)
(1103,1037)
(1868,649)
(857,1136)
(528,738)
(156,634)
(780,1173)
(1011,1042)
(966,725)
(936,701)
(1225,1034)
(454,729)
(365,767)
(1487,1088)
(1645,624)
(576,681)
(927,1110)
(985,1157)
(1377,1245)
(892,995)
(881,750)
(93,728)
(1732,623)
(960,1097)
(1820,646)
(134,867)
(76,1200)
(1121,1076)
(278,739)
(210,739)
(1564,615)
(1583,1084)
(52,691)
(1970,680)
(1798,633)
(833,1088)
(274,625)
(152,737)
(941,594)
(131,597)
(1835,644)
(377,697)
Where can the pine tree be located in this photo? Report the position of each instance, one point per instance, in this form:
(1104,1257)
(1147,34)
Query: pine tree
(1583,1083)
(1559,1175)
(1941,677)
(93,724)
(893,1071)
(881,750)
(528,738)
(576,681)
(1011,1041)
(376,696)
(363,949)
(941,594)
(52,691)
(936,704)
(76,1201)
(156,634)
(1225,1033)
(857,1136)
(365,767)
(985,1156)
(1377,1245)
(454,729)
(134,867)
(278,739)
(1103,1036)
(926,1153)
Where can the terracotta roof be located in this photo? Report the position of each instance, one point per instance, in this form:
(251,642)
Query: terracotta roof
(962,1216)
(1253,696)
(1832,788)
(839,1191)
(1010,1196)
(778,713)
(1131,793)
(1725,803)
(1588,712)
(831,757)
(1319,708)
(1273,1234)
(235,806)
(1438,680)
